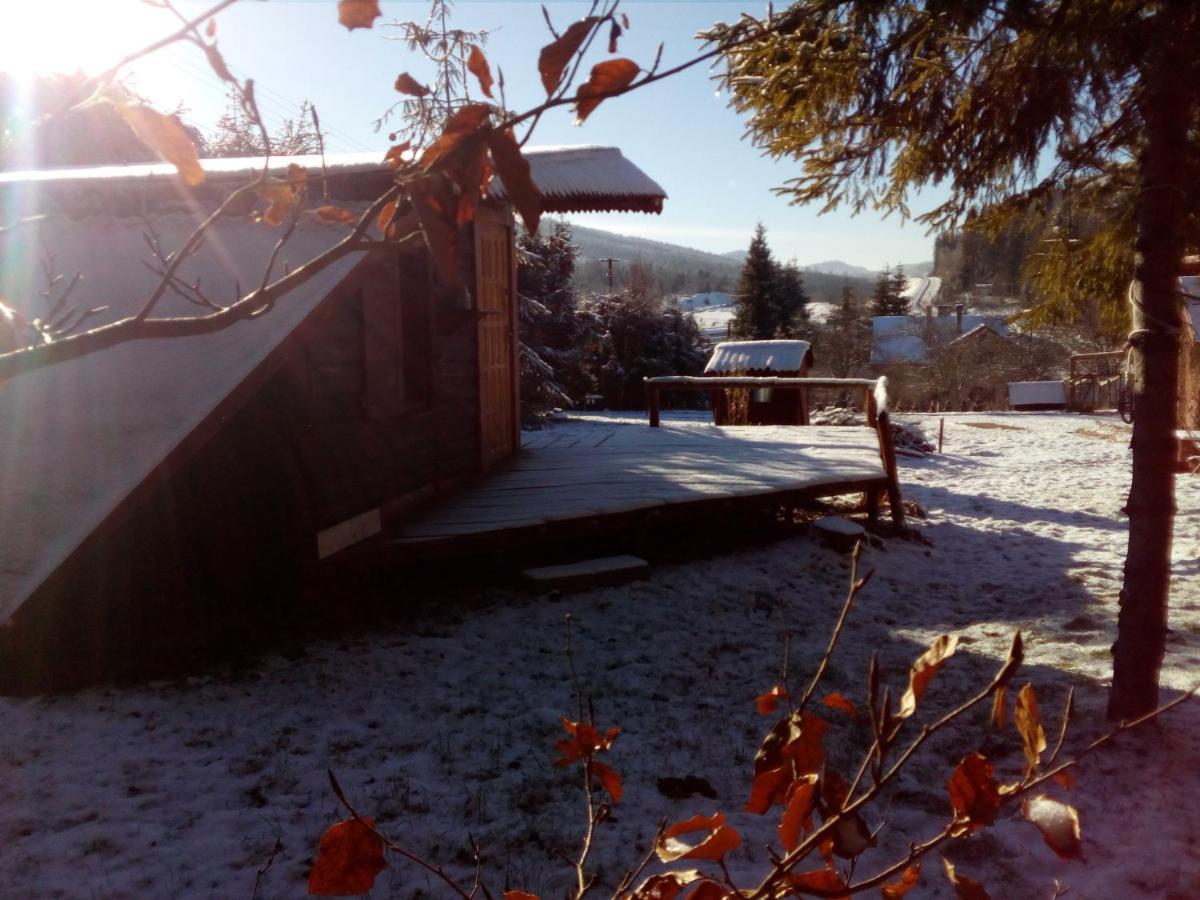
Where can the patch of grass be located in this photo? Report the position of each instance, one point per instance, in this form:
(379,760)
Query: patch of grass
(1116,435)
(995,425)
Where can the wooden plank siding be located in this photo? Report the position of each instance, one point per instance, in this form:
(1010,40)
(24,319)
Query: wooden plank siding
(210,552)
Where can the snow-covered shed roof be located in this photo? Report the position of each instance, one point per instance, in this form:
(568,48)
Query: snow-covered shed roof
(757,356)
(589,179)
(907,339)
(79,436)
(572,178)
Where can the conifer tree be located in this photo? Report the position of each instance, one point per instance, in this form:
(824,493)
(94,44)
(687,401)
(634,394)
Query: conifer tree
(791,302)
(901,303)
(884,301)
(757,314)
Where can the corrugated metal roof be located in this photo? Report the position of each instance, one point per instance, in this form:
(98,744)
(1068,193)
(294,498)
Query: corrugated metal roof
(757,356)
(589,179)
(583,178)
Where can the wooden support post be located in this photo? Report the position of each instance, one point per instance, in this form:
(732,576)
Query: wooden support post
(652,402)
(941,432)
(869,403)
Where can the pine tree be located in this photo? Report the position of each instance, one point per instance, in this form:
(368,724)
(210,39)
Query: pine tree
(901,303)
(757,314)
(791,302)
(552,329)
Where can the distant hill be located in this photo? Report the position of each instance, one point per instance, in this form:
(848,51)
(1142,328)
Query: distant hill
(838,267)
(684,270)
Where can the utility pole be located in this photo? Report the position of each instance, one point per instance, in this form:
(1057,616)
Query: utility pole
(610,260)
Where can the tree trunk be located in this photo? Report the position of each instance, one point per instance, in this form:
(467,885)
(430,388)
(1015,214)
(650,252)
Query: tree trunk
(1167,110)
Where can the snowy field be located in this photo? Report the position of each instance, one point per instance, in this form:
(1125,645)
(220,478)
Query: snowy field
(443,727)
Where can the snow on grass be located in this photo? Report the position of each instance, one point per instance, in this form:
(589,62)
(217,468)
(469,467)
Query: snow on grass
(443,727)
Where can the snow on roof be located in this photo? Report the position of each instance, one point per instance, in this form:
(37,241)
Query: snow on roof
(584,178)
(897,339)
(757,356)
(981,328)
(589,179)
(1037,393)
(80,435)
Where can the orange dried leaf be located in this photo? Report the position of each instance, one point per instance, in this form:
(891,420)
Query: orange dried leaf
(839,701)
(166,136)
(769,787)
(607,79)
(999,707)
(718,839)
(797,815)
(280,199)
(465,123)
(824,880)
(1066,779)
(614,34)
(385,218)
(625,21)
(554,57)
(585,740)
(964,888)
(395,155)
(767,703)
(1058,822)
(477,65)
(908,881)
(610,779)
(349,858)
(519,895)
(1029,726)
(709,890)
(437,218)
(924,669)
(358,13)
(336,214)
(974,793)
(665,886)
(807,750)
(406,84)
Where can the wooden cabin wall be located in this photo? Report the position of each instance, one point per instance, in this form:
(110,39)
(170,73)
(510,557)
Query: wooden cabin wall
(209,554)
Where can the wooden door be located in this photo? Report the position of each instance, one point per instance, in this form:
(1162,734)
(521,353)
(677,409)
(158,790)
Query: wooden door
(495,292)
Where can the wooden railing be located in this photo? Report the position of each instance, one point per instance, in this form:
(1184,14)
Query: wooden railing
(875,402)
(692,382)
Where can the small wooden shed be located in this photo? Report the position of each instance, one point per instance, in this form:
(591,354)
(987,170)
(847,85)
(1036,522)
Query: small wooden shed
(760,406)
(166,497)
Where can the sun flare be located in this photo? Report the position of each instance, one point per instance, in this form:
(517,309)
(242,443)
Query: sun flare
(39,38)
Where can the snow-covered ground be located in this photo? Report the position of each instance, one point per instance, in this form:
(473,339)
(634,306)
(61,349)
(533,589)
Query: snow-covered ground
(443,726)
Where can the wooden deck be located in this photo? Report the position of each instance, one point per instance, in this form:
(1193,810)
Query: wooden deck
(605,469)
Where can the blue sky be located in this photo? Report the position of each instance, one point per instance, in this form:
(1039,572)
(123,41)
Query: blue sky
(679,130)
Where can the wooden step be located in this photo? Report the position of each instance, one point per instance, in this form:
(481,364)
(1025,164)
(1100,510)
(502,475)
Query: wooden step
(588,572)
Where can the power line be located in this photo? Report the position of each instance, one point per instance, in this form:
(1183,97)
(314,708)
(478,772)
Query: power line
(334,138)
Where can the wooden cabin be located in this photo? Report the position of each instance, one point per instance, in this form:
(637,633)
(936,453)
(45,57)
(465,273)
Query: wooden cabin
(760,406)
(165,497)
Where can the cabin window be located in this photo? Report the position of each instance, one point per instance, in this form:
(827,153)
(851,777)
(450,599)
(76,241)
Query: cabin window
(397,340)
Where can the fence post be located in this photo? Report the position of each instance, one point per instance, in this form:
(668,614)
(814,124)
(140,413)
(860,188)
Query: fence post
(652,397)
